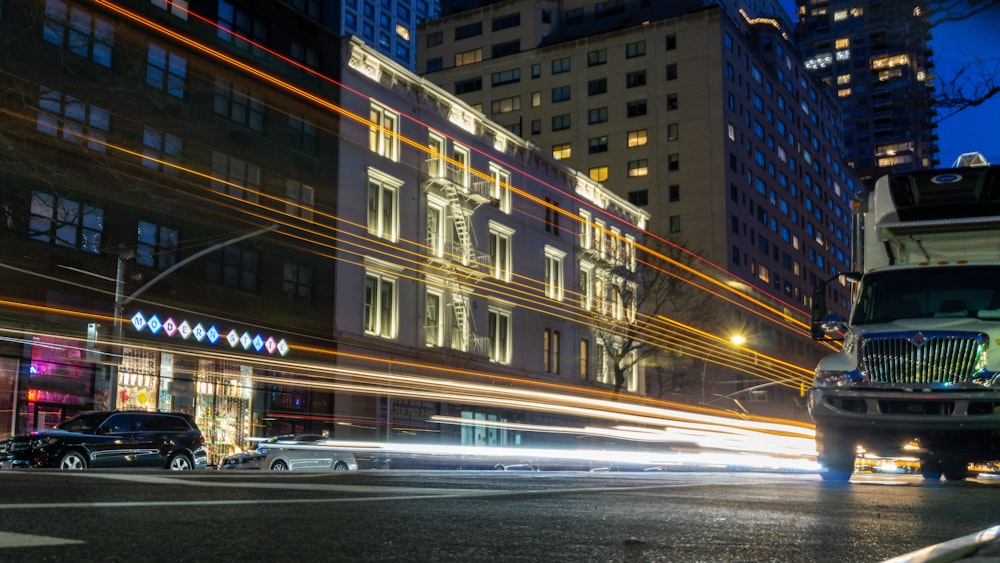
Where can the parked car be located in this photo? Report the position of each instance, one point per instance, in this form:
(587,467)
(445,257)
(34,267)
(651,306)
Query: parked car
(111,439)
(298,452)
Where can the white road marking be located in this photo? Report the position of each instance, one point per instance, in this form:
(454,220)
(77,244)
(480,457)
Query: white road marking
(8,539)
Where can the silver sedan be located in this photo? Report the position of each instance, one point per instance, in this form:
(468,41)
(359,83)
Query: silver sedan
(305,452)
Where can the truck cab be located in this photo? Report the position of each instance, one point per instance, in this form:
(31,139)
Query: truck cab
(918,372)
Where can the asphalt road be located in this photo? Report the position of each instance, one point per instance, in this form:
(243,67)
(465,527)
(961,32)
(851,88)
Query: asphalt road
(480,516)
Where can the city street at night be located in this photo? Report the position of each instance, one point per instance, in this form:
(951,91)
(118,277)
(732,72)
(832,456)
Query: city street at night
(481,516)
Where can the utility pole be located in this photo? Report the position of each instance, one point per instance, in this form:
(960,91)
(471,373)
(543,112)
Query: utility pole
(121,300)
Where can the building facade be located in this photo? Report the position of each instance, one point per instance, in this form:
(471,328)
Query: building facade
(707,119)
(198,221)
(876,57)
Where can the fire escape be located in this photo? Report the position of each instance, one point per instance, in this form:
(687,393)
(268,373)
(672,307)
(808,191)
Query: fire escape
(463,260)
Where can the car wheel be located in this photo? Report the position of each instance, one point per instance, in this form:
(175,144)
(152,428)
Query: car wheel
(279,466)
(180,462)
(340,466)
(72,461)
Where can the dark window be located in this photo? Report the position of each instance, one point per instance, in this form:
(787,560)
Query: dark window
(470,30)
(671,42)
(470,85)
(507,77)
(552,216)
(674,192)
(597,86)
(636,108)
(574,16)
(671,101)
(560,94)
(672,71)
(503,22)
(560,122)
(235,267)
(637,78)
(598,57)
(636,49)
(435,38)
(297,284)
(597,115)
(560,65)
(639,198)
(598,144)
(507,48)
(435,64)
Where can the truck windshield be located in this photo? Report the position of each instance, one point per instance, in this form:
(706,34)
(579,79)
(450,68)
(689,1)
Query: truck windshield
(960,291)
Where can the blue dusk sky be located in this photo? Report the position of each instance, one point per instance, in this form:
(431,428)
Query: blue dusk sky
(956,45)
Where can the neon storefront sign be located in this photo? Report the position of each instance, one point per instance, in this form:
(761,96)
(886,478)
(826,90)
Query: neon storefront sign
(210,334)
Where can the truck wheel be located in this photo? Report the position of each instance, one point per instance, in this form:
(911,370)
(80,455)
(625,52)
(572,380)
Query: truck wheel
(955,469)
(930,469)
(836,452)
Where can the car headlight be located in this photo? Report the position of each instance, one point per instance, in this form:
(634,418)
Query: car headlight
(834,379)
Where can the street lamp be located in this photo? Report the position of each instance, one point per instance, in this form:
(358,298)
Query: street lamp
(121,300)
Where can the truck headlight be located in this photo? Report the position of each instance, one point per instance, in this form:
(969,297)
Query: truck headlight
(831,379)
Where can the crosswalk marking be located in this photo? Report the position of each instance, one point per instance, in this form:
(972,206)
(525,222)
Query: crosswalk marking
(8,539)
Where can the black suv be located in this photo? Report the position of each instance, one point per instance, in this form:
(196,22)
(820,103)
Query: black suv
(106,439)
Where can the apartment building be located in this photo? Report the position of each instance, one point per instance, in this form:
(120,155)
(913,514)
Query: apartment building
(876,57)
(705,118)
(270,236)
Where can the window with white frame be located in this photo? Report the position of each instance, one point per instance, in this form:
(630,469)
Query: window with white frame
(235,177)
(500,188)
(630,252)
(615,241)
(383,135)
(166,71)
(436,147)
(499,335)
(599,238)
(554,273)
(433,318)
(299,199)
(75,121)
(380,305)
(161,151)
(586,232)
(550,351)
(460,155)
(78,31)
(586,285)
(436,220)
(383,207)
(500,251)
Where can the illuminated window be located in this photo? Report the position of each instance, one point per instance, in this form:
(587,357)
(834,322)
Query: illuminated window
(460,173)
(239,104)
(506,105)
(599,173)
(844,55)
(842,43)
(889,74)
(65,222)
(160,151)
(433,315)
(383,134)
(72,120)
(435,226)
(436,163)
(499,336)
(637,138)
(235,177)
(586,235)
(156,245)
(586,286)
(562,151)
(383,207)
(299,199)
(536,99)
(166,71)
(554,273)
(890,61)
(500,187)
(584,358)
(297,283)
(78,31)
(469,57)
(843,92)
(500,251)
(844,79)
(380,305)
(638,168)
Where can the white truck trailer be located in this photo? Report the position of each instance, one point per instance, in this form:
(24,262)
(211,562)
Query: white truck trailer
(918,374)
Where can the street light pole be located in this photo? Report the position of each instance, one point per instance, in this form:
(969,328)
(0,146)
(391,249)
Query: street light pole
(121,300)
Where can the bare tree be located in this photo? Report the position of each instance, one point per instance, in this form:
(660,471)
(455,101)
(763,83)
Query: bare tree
(662,281)
(976,79)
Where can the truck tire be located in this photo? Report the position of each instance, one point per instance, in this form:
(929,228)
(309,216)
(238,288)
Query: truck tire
(930,469)
(955,469)
(836,452)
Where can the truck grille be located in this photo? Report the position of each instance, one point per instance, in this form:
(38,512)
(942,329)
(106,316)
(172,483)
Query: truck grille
(922,357)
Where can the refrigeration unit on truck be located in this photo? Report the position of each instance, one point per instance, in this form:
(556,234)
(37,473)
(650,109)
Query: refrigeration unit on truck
(918,374)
